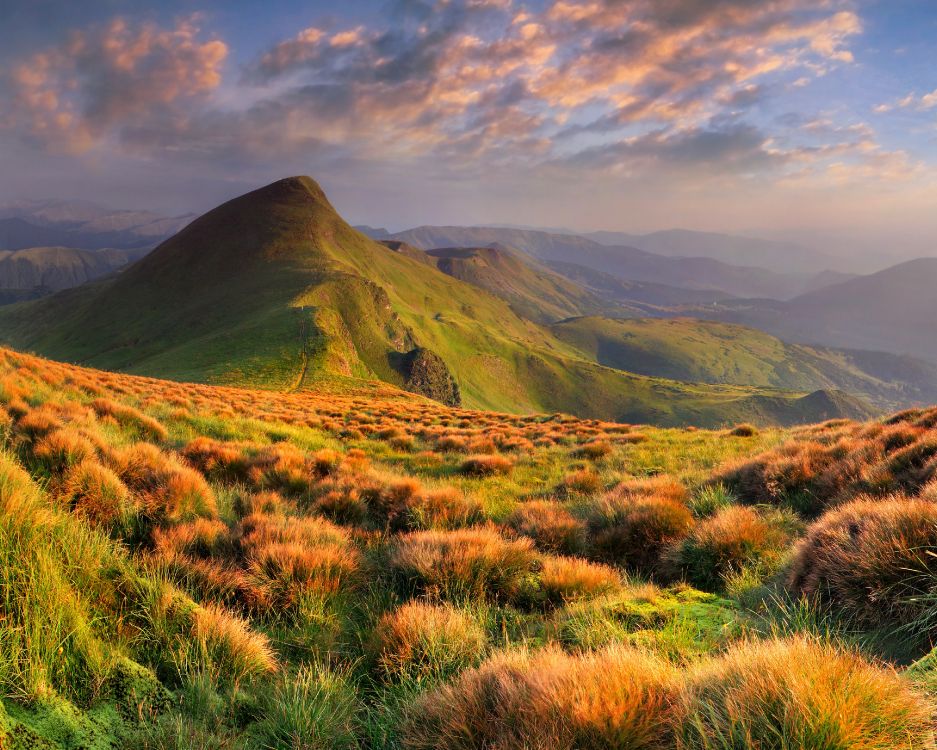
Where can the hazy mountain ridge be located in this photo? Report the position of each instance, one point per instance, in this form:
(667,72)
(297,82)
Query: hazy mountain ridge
(82,225)
(628,263)
(892,311)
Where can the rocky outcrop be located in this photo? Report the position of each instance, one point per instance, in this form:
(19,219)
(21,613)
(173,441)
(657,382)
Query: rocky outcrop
(425,373)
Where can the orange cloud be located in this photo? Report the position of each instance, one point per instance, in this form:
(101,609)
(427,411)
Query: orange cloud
(71,97)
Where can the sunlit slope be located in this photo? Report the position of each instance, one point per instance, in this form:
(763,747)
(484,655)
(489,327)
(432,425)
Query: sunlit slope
(709,352)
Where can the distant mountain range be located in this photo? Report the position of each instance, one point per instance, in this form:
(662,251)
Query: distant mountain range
(624,262)
(47,246)
(781,257)
(893,310)
(38,271)
(82,225)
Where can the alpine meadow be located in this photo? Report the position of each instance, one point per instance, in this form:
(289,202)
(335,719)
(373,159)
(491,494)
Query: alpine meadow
(468,375)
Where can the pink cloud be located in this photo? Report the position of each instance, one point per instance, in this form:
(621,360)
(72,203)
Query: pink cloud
(72,96)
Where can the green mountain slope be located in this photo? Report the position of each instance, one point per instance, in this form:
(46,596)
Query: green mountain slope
(711,352)
(533,291)
(274,289)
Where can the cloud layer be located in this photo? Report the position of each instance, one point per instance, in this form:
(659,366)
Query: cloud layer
(678,93)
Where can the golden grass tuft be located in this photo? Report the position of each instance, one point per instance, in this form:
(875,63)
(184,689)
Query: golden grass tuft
(170,490)
(487,466)
(227,642)
(634,527)
(465,565)
(97,494)
(418,641)
(61,449)
(872,559)
(552,528)
(800,693)
(568,579)
(615,698)
(722,545)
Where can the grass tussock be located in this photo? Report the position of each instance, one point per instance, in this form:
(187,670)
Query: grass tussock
(800,693)
(618,698)
(568,579)
(170,490)
(420,641)
(487,465)
(635,523)
(552,528)
(734,538)
(465,565)
(873,560)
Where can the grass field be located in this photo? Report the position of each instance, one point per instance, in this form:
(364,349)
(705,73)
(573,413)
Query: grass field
(192,566)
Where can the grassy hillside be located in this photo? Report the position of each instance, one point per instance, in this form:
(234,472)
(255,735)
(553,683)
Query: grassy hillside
(274,289)
(709,352)
(189,566)
(533,291)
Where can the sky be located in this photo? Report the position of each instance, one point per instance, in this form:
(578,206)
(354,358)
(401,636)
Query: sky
(809,119)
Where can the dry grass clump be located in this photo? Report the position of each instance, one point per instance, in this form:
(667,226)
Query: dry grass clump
(580,482)
(34,424)
(873,559)
(636,522)
(418,641)
(170,491)
(553,528)
(594,450)
(799,693)
(60,449)
(443,509)
(744,430)
(235,650)
(127,416)
(823,466)
(568,579)
(465,565)
(96,493)
(734,538)
(487,466)
(295,559)
(615,698)
(403,504)
(281,466)
(203,537)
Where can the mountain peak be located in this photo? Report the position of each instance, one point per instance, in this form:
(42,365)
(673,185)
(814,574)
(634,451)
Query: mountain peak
(292,188)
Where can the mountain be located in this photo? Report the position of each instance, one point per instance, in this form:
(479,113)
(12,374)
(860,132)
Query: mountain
(533,291)
(375,233)
(83,225)
(274,289)
(782,257)
(632,293)
(891,311)
(712,352)
(625,262)
(39,271)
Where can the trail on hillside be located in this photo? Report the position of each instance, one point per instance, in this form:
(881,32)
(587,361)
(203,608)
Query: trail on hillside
(304,353)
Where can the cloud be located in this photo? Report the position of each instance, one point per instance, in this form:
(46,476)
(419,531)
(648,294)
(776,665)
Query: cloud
(911,101)
(460,86)
(73,96)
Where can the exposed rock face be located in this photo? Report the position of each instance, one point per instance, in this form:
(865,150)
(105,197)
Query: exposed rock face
(425,373)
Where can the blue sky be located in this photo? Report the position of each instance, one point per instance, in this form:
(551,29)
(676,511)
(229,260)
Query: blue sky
(786,116)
